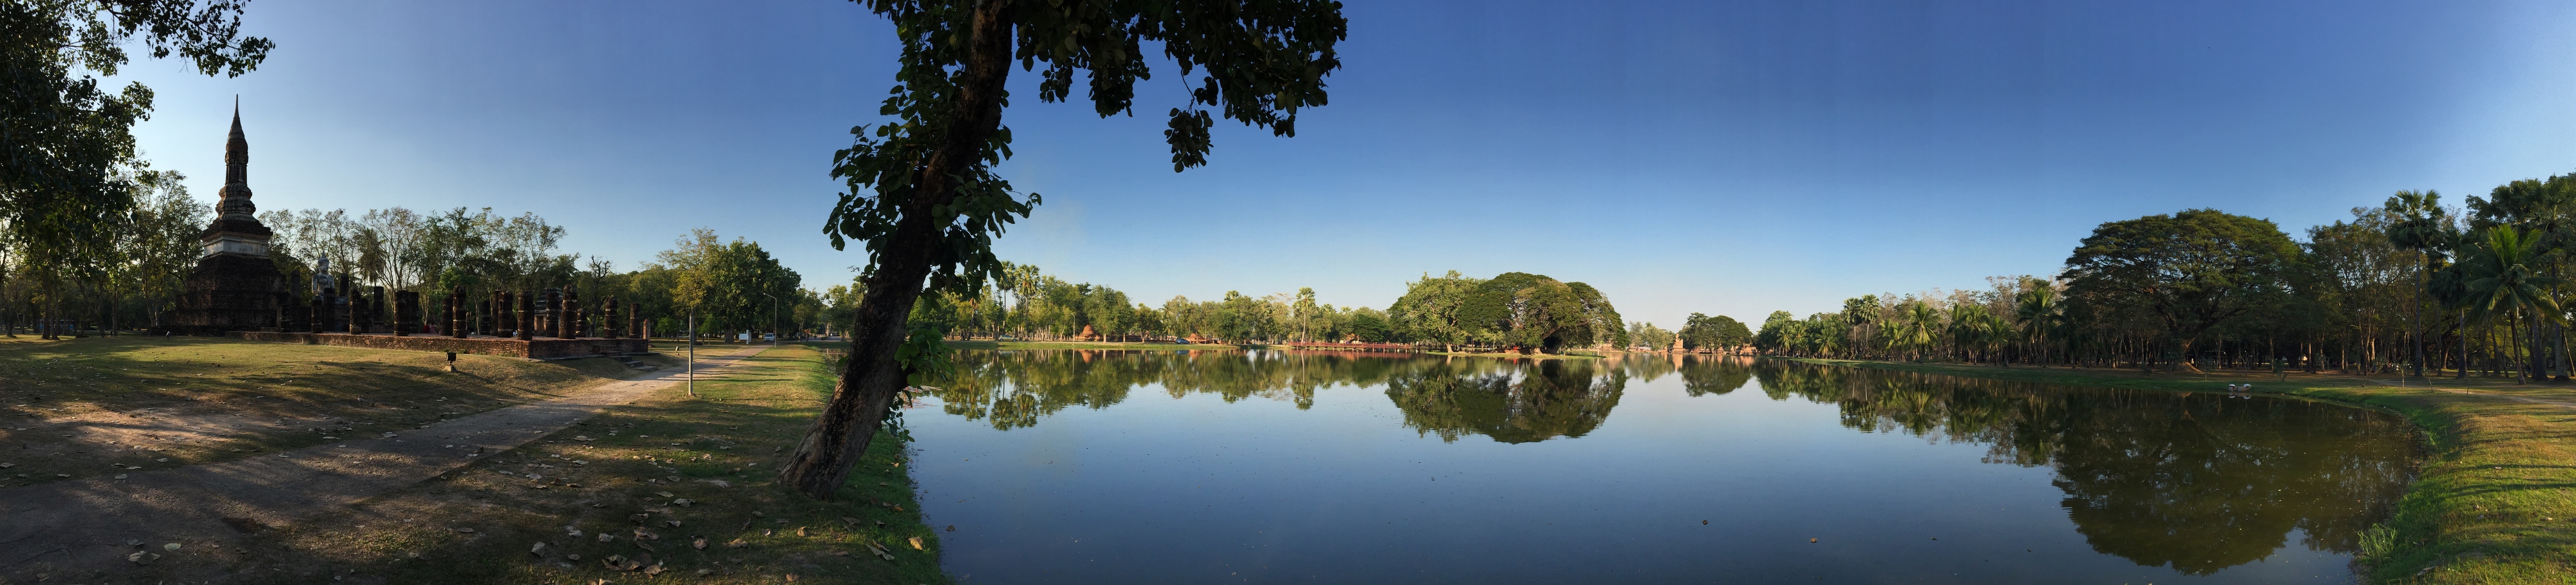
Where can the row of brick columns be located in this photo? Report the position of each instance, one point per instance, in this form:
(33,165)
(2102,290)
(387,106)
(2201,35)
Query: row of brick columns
(553,312)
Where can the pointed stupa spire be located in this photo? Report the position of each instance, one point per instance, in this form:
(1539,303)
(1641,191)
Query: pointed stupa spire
(234,200)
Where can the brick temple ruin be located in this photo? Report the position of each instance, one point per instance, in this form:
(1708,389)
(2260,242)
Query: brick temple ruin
(236,289)
(235,286)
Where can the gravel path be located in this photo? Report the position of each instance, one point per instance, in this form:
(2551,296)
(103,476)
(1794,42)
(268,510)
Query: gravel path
(86,525)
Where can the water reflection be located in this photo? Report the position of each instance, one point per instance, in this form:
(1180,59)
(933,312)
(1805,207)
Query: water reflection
(2197,483)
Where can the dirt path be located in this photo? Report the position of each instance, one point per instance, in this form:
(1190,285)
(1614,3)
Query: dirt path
(71,528)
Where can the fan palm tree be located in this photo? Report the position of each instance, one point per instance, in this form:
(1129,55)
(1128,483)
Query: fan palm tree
(2423,226)
(2505,280)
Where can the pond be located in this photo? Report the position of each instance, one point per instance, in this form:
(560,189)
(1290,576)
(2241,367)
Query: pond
(1293,467)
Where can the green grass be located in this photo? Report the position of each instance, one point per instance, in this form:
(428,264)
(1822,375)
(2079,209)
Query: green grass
(155,402)
(2496,498)
(735,431)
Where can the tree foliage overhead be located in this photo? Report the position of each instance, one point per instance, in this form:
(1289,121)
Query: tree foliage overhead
(1257,63)
(922,194)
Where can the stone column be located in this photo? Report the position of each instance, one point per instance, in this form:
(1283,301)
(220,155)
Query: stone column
(635,324)
(572,314)
(527,316)
(407,315)
(349,304)
(455,313)
(608,323)
(507,314)
(375,308)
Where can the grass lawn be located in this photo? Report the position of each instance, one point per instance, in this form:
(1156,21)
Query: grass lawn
(2496,501)
(681,487)
(104,405)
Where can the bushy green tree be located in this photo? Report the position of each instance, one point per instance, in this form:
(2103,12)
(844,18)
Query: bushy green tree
(2192,270)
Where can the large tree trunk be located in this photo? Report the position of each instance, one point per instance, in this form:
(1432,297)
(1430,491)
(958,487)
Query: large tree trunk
(871,378)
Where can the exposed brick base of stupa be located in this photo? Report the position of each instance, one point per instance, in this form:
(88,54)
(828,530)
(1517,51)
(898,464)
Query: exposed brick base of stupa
(543,348)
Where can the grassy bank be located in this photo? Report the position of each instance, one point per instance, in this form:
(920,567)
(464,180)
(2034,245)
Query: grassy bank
(2496,498)
(680,486)
(69,407)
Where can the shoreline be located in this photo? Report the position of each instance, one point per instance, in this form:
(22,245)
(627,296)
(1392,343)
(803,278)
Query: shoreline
(2493,502)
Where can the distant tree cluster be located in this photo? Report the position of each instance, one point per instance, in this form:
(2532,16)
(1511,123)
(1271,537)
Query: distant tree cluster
(1026,303)
(2408,285)
(1511,310)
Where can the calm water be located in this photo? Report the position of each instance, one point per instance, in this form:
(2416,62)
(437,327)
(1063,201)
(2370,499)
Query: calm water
(1267,467)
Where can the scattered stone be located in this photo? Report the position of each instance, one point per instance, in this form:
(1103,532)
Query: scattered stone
(120,476)
(916,543)
(172,547)
(606,537)
(683,502)
(539,549)
(671,523)
(737,543)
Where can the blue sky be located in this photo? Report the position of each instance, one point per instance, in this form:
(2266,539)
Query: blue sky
(1722,157)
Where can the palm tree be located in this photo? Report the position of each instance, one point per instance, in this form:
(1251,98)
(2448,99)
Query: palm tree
(2039,313)
(2424,227)
(2506,280)
(1919,330)
(1974,329)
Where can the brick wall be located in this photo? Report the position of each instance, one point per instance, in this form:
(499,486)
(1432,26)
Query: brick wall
(541,348)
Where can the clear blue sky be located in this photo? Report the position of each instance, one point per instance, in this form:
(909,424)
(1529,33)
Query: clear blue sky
(1722,157)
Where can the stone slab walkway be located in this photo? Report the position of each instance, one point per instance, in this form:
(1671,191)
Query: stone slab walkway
(84,525)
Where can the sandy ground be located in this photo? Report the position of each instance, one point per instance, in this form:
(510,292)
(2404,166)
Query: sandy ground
(101,525)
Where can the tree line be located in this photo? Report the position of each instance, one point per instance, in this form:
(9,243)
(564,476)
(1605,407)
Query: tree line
(732,285)
(2411,285)
(1513,310)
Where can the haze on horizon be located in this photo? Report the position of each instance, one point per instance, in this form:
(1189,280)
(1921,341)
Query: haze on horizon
(1721,157)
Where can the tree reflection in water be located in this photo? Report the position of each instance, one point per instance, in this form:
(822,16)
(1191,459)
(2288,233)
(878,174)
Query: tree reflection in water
(2195,482)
